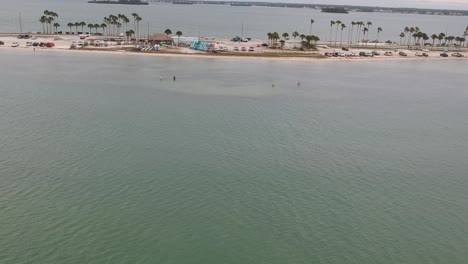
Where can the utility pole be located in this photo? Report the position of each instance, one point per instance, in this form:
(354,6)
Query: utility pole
(21,24)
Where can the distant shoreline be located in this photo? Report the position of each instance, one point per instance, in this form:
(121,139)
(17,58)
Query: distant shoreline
(119,2)
(348,8)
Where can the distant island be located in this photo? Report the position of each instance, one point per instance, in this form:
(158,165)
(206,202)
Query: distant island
(339,10)
(119,2)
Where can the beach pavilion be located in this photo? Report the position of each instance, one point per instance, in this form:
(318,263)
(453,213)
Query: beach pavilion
(160,38)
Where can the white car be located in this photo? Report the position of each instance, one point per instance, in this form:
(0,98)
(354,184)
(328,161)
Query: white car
(15,44)
(341,54)
(425,50)
(28,44)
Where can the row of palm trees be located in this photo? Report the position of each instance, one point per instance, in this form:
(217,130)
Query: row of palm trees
(362,32)
(112,22)
(412,36)
(178,34)
(48,21)
(307,41)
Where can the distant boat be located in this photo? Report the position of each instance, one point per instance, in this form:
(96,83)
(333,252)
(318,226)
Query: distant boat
(119,2)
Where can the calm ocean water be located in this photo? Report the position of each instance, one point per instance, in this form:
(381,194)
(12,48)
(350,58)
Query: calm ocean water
(100,162)
(220,21)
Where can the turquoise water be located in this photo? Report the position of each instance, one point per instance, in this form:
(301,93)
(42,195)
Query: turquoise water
(100,162)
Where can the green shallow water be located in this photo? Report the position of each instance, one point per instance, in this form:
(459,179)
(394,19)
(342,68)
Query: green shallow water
(100,162)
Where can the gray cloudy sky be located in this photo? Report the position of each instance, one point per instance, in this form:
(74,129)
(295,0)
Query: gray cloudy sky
(448,4)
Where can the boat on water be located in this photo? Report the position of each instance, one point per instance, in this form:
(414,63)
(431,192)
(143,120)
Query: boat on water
(119,2)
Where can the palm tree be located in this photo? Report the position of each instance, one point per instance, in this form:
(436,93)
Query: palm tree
(369,25)
(350,33)
(425,37)
(433,37)
(311,23)
(295,34)
(70,25)
(103,26)
(332,23)
(338,23)
(168,32)
(128,34)
(302,36)
(137,20)
(43,20)
(343,26)
(125,20)
(96,26)
(411,30)
(134,15)
(56,26)
(49,21)
(270,37)
(406,30)
(90,26)
(82,24)
(440,37)
(282,43)
(402,35)
(275,37)
(178,34)
(379,29)
(359,24)
(465,35)
(77,24)
(285,35)
(364,31)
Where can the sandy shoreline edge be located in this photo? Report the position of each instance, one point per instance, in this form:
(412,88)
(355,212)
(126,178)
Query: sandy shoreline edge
(62,44)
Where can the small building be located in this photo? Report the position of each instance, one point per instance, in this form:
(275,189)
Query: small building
(160,38)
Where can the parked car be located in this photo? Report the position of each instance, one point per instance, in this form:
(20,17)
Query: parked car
(236,48)
(375,53)
(236,39)
(251,49)
(23,36)
(35,44)
(340,54)
(345,49)
(244,40)
(50,44)
(388,53)
(418,54)
(264,44)
(366,54)
(354,54)
(329,54)
(29,44)
(15,44)
(402,53)
(457,54)
(72,46)
(2,43)
(243,49)
(443,54)
(425,54)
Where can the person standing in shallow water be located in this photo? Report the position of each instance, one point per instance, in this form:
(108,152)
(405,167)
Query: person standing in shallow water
(174,78)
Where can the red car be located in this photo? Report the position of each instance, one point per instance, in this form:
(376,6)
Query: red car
(50,44)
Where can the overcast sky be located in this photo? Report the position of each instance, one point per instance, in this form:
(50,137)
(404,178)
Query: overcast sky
(447,4)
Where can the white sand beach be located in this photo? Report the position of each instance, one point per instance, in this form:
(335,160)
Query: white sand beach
(62,43)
